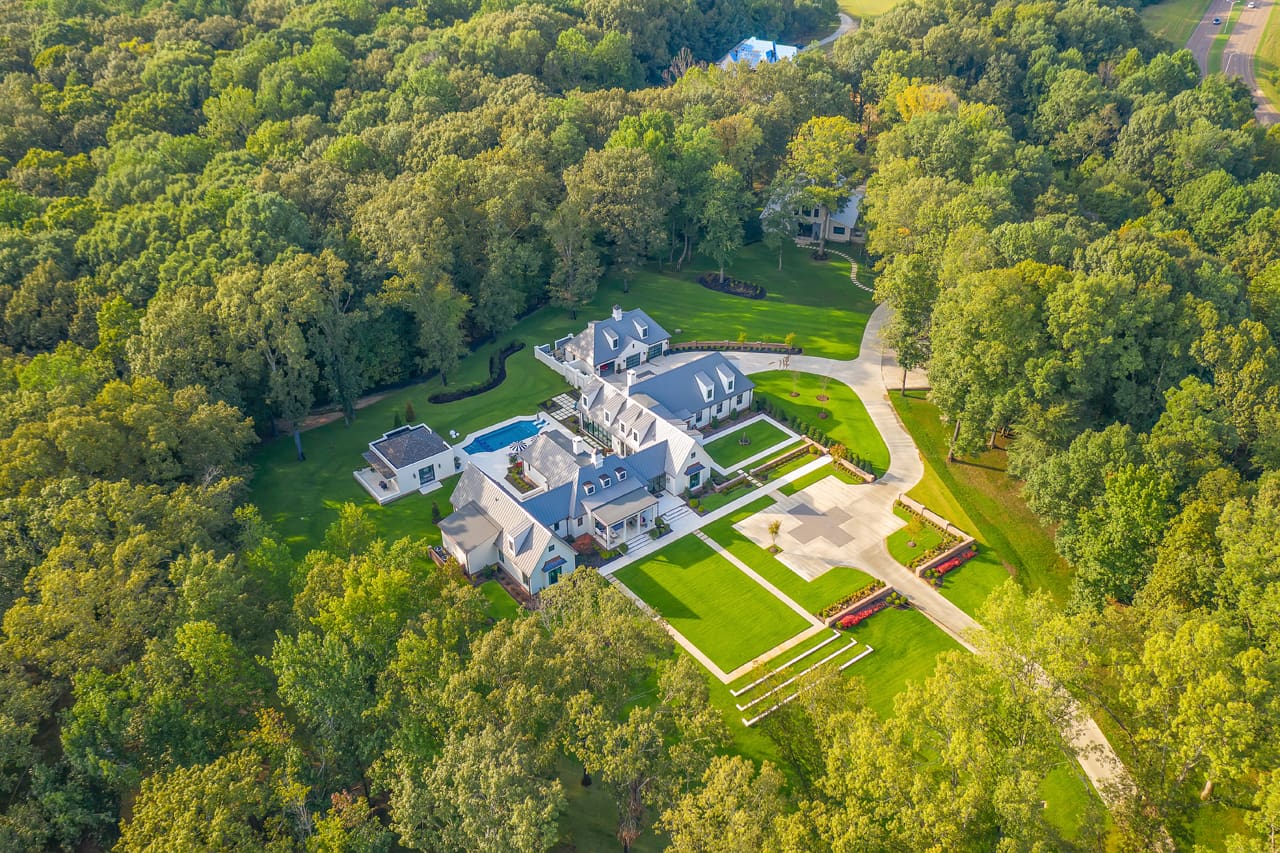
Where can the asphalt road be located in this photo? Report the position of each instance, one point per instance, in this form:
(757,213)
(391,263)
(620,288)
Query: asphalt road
(1242,45)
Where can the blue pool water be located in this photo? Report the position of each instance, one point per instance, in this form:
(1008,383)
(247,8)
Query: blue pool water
(503,436)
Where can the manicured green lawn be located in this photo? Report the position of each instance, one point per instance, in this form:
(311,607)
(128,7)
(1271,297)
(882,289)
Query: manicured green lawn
(863,9)
(786,467)
(969,586)
(847,423)
(1266,63)
(1173,20)
(813,595)
(501,604)
(914,539)
(906,645)
(769,666)
(726,614)
(980,498)
(728,451)
(813,299)
(817,476)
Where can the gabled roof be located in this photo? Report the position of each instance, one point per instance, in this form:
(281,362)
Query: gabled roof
(531,537)
(847,215)
(409,444)
(551,454)
(605,339)
(568,498)
(682,391)
(753,51)
(470,527)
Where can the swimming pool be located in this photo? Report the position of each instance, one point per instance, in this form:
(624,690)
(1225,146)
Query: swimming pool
(503,436)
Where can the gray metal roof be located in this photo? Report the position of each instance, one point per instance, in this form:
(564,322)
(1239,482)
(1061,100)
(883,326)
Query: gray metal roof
(624,506)
(469,527)
(407,445)
(604,339)
(551,454)
(650,462)
(531,537)
(847,215)
(680,390)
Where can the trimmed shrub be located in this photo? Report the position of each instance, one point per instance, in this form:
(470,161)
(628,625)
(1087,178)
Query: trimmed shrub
(497,375)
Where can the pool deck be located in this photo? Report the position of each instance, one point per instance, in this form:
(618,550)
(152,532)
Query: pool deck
(495,462)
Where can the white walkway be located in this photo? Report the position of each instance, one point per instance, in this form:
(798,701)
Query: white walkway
(866,376)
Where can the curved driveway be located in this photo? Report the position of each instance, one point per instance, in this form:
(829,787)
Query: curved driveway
(865,375)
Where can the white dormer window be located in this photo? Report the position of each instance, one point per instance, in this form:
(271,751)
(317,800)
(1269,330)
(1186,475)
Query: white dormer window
(707,394)
(589,488)
(642,328)
(605,481)
(728,386)
(622,475)
(612,337)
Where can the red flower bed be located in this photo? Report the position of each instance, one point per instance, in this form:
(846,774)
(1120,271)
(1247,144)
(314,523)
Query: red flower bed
(857,616)
(955,562)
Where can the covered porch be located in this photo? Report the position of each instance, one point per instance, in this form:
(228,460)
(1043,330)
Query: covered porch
(379,480)
(624,517)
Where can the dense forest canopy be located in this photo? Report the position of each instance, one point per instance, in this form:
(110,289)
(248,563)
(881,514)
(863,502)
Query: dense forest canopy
(216,216)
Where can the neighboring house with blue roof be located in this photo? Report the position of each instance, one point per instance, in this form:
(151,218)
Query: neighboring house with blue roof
(623,341)
(753,51)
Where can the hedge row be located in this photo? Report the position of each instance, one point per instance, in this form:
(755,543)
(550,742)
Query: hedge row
(497,374)
(833,609)
(803,427)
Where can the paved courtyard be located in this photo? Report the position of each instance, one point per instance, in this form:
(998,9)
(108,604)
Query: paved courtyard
(830,523)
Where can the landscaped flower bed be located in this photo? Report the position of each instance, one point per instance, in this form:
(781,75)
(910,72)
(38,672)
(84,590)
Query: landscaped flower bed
(948,542)
(862,615)
(833,609)
(955,562)
(732,286)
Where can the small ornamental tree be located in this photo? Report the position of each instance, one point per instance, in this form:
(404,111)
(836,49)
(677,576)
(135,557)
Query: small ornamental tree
(775,527)
(409,414)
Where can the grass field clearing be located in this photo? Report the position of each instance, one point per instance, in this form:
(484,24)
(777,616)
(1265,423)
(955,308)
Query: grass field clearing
(1173,20)
(1266,63)
(980,498)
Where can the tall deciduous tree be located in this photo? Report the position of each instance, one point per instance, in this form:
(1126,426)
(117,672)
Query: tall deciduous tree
(908,284)
(482,792)
(824,156)
(624,194)
(632,752)
(723,207)
(439,310)
(733,810)
(267,311)
(780,219)
(576,273)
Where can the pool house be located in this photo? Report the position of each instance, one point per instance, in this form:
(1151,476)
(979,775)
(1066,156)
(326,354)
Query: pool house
(407,460)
